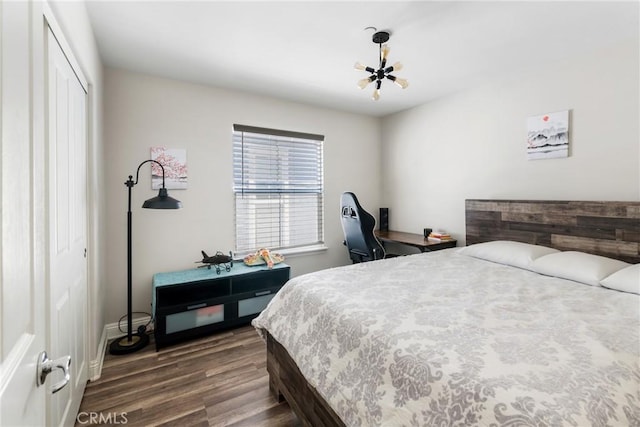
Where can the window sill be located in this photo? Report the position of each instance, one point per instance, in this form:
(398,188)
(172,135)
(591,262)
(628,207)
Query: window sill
(289,252)
(307,250)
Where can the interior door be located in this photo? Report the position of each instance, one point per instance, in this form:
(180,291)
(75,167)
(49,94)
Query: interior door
(67,206)
(22,267)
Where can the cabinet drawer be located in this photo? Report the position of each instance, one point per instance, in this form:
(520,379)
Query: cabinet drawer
(198,291)
(194,318)
(263,280)
(254,305)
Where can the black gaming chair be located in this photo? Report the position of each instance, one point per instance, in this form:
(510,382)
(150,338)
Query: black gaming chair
(358,226)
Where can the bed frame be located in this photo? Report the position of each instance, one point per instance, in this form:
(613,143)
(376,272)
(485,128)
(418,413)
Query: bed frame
(286,382)
(610,229)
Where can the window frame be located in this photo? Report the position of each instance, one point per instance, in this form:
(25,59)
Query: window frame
(280,191)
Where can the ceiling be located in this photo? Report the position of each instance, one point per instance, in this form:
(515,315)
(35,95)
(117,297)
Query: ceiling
(304,51)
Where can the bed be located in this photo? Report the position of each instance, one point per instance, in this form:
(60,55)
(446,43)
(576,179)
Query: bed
(516,329)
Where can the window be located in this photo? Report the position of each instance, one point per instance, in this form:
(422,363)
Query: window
(278,186)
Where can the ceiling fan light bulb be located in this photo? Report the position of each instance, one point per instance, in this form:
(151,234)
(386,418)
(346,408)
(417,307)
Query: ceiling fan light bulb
(359,66)
(397,66)
(376,95)
(384,52)
(401,82)
(362,83)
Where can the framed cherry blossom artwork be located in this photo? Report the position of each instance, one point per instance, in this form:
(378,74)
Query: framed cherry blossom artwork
(174,161)
(548,136)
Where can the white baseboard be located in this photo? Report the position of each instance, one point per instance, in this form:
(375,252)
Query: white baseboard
(111,331)
(95,366)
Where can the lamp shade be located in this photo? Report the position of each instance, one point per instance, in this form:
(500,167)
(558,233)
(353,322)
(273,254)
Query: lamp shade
(162,201)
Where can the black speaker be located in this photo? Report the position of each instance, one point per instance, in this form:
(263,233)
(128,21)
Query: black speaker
(384,219)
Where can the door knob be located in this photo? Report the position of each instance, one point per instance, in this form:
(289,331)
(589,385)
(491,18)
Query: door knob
(46,366)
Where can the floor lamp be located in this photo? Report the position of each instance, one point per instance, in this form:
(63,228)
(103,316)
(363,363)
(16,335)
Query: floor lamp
(135,341)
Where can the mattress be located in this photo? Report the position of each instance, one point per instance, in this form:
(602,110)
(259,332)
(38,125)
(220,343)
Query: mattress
(446,339)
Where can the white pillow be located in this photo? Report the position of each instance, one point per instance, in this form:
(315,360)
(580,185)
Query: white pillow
(626,280)
(516,254)
(578,266)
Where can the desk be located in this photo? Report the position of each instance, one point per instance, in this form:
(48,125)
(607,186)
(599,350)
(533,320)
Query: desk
(415,240)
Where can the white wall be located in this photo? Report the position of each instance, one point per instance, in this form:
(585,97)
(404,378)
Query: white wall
(473,144)
(143,111)
(74,22)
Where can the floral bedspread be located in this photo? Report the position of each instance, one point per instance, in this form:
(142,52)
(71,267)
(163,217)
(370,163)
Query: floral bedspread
(442,339)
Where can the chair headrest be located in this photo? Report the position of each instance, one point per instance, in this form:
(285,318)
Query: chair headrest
(349,212)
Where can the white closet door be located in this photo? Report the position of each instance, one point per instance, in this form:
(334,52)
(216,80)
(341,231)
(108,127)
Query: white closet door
(67,204)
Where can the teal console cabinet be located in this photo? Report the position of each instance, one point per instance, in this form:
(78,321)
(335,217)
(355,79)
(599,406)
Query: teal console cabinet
(196,302)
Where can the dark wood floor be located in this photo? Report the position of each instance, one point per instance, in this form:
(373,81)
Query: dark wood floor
(219,380)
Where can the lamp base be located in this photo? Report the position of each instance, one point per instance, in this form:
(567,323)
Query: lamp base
(125,346)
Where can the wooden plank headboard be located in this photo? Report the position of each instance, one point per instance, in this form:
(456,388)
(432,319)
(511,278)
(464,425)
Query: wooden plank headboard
(610,229)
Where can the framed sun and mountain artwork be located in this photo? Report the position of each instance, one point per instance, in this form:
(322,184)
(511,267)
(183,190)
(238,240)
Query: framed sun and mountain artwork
(174,162)
(548,136)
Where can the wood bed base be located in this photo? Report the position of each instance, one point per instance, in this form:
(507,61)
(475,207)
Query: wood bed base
(610,229)
(286,382)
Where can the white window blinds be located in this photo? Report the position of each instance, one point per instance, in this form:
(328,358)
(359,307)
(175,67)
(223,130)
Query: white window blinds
(278,186)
